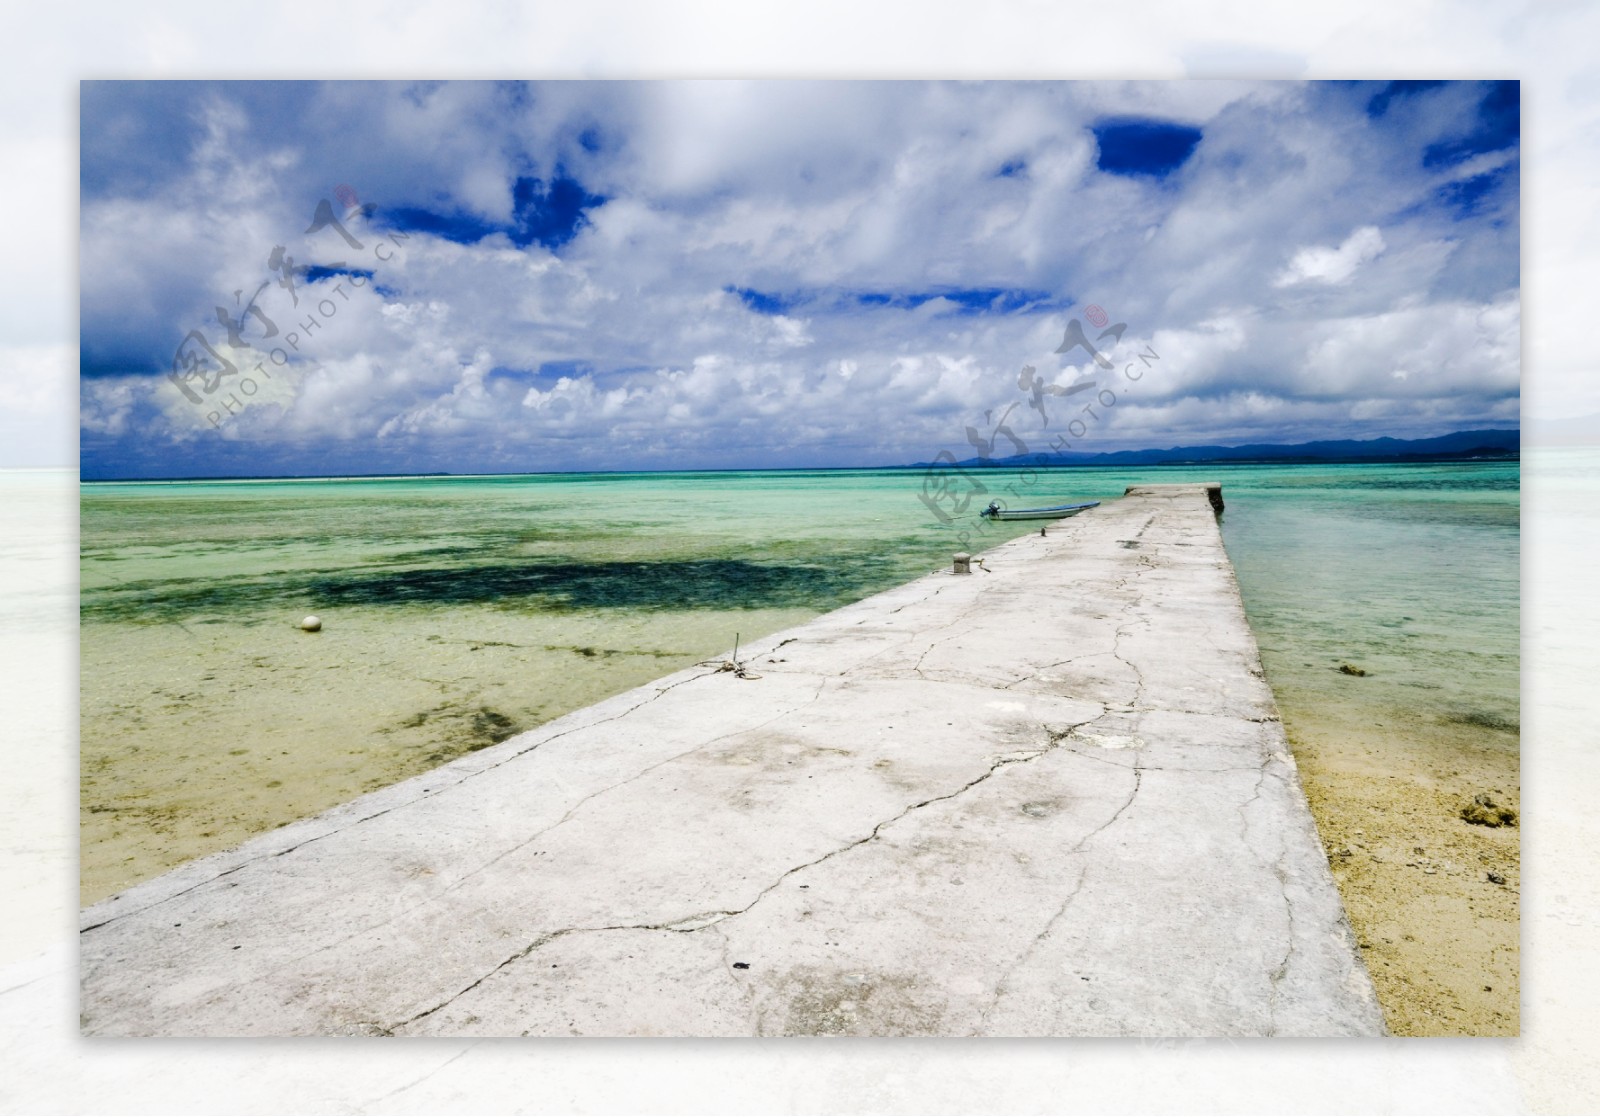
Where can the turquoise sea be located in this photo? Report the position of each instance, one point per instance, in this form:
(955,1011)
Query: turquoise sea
(458,611)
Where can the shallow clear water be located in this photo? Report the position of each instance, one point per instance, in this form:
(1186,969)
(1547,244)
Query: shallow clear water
(458,611)
(1410,573)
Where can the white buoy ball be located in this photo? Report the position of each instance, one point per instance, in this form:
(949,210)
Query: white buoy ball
(312,624)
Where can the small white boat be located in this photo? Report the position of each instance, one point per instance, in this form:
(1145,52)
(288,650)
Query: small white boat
(1058,512)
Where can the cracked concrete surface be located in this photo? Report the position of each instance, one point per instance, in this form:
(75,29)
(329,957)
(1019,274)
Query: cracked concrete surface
(1051,797)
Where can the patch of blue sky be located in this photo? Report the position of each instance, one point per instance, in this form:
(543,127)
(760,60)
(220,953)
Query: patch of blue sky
(316,272)
(1497,127)
(1378,104)
(1141,147)
(964,300)
(547,213)
(1470,197)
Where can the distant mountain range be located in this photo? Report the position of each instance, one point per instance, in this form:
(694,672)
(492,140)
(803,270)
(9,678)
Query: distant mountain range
(1497,444)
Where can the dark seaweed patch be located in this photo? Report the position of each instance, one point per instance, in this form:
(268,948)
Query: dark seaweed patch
(690,584)
(457,730)
(490,727)
(1484,719)
(712,583)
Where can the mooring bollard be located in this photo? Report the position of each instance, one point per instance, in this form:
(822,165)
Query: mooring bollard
(963,563)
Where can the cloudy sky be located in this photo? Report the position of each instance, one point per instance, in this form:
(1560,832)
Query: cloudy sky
(616,275)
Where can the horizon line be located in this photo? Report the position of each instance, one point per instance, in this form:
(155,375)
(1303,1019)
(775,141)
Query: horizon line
(1062,462)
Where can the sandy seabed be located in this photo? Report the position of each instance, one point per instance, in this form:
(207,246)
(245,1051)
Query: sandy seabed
(1439,934)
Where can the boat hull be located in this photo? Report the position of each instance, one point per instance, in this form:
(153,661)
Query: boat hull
(1057,513)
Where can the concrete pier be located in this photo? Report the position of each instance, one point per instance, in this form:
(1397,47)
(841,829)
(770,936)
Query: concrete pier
(1049,797)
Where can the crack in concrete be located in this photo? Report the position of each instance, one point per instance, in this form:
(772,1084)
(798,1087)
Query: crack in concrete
(958,619)
(1058,663)
(1279,972)
(908,604)
(1282,970)
(1244,821)
(1050,924)
(192,887)
(566,817)
(746,992)
(706,919)
(542,940)
(910,638)
(1138,676)
(1145,564)
(1001,986)
(1138,779)
(530,839)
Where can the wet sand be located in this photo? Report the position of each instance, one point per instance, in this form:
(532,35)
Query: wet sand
(1440,938)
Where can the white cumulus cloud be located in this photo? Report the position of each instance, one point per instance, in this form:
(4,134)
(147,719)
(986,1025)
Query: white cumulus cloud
(1319,264)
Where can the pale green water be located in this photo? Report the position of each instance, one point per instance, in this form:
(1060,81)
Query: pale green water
(460,610)
(1411,573)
